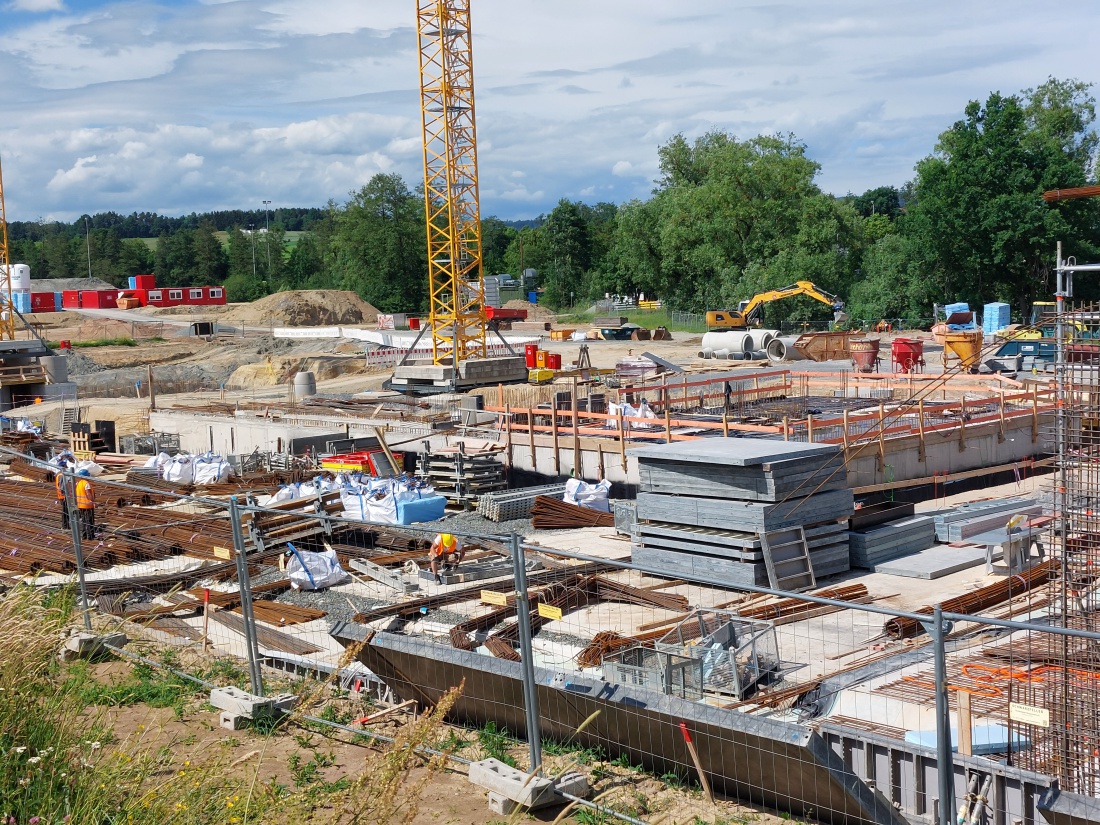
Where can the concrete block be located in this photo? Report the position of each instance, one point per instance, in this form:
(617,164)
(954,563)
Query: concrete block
(510,789)
(240,703)
(90,645)
(232,721)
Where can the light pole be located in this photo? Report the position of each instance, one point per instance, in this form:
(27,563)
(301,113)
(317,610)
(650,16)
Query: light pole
(267,237)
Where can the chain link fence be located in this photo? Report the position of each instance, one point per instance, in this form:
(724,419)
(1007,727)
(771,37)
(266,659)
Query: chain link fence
(664,692)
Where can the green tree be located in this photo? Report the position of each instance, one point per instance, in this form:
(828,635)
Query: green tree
(380,248)
(211,259)
(978,216)
(730,218)
(496,236)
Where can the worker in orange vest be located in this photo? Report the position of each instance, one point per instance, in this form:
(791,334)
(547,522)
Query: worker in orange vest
(444,547)
(59,483)
(85,504)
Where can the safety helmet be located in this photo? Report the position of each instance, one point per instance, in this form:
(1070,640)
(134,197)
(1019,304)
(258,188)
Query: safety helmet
(446,539)
(84,473)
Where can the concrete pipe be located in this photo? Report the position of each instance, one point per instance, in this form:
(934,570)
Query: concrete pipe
(734,341)
(782,349)
(704,354)
(762,337)
(720,354)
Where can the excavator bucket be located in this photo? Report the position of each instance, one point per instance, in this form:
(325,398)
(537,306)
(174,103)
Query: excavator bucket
(840,316)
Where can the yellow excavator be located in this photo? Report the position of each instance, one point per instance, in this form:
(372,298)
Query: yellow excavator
(748,312)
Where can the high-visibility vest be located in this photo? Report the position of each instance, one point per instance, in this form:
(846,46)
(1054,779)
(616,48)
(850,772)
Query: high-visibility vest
(84,498)
(59,483)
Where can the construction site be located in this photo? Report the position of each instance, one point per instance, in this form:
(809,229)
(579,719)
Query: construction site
(847,577)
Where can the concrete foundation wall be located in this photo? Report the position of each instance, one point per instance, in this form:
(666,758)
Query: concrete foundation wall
(232,436)
(980,446)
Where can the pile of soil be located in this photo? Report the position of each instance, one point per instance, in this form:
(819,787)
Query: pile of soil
(534,311)
(305,308)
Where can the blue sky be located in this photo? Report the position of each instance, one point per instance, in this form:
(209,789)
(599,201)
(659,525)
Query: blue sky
(187,106)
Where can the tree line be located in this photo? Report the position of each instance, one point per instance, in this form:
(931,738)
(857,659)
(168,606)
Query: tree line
(727,218)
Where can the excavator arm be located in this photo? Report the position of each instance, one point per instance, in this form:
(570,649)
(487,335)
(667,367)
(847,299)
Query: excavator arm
(750,309)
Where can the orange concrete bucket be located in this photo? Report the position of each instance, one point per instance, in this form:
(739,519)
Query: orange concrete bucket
(966,346)
(864,353)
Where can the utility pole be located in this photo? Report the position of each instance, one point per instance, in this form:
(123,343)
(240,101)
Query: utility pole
(252,235)
(267,236)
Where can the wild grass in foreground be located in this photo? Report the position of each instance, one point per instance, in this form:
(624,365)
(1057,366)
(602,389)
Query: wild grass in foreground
(61,763)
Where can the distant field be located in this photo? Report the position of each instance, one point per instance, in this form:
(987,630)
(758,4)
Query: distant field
(291,239)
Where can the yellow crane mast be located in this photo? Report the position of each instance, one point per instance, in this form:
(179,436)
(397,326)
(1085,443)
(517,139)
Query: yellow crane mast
(7,305)
(457,318)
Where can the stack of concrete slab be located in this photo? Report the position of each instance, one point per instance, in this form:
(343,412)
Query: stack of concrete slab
(880,543)
(968,521)
(703,506)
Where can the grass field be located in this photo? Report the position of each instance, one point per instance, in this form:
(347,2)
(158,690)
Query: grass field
(290,237)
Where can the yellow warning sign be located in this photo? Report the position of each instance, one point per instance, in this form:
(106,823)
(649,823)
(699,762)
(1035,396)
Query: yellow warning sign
(492,597)
(548,611)
(222,553)
(1029,715)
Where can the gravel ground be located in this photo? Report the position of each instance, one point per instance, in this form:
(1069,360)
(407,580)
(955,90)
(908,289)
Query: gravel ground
(333,601)
(476,524)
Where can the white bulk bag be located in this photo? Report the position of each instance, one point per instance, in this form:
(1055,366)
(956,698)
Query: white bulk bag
(583,494)
(324,568)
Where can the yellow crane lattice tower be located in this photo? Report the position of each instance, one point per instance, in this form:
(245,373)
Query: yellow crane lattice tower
(451,202)
(7,307)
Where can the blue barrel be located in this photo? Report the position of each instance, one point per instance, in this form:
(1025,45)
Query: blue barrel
(532,297)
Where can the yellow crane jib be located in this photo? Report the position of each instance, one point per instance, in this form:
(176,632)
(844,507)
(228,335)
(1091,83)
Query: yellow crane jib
(457,318)
(748,312)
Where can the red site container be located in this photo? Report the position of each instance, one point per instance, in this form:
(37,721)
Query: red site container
(553,360)
(530,352)
(907,354)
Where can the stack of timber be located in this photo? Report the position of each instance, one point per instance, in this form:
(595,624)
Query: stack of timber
(977,517)
(748,511)
(883,532)
(463,477)
(506,505)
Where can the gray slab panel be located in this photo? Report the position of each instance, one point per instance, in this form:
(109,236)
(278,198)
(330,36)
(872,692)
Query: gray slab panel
(941,560)
(746,516)
(741,452)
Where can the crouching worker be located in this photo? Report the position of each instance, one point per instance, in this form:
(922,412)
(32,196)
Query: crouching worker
(443,549)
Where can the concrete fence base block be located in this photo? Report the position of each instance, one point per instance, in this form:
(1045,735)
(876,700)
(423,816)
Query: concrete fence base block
(90,645)
(232,721)
(510,788)
(240,703)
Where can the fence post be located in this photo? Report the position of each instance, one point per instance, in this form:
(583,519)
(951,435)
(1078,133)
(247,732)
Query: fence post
(78,549)
(527,662)
(946,764)
(254,672)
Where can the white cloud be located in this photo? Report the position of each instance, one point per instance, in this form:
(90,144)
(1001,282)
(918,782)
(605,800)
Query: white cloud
(200,104)
(36,6)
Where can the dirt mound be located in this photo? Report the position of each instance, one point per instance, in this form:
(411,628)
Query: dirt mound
(305,308)
(534,311)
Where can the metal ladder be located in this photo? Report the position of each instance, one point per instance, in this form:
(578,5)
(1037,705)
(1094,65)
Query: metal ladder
(787,557)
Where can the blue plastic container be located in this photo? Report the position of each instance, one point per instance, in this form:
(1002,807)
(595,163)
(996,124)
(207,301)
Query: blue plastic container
(532,297)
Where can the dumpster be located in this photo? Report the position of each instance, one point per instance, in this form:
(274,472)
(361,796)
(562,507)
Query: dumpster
(907,355)
(823,346)
(864,354)
(966,346)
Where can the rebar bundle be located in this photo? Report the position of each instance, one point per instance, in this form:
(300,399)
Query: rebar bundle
(981,599)
(553,514)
